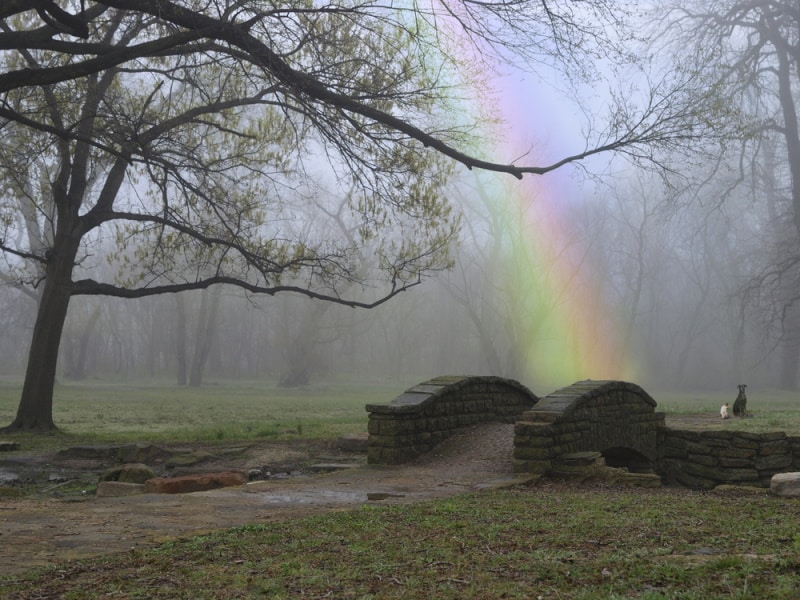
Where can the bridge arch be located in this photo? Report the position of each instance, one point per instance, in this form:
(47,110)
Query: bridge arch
(615,418)
(430,412)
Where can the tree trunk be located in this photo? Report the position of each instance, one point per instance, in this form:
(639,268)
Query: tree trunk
(77,354)
(35,412)
(790,349)
(180,338)
(206,328)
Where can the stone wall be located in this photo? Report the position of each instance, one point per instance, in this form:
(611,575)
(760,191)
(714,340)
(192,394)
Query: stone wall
(428,413)
(705,459)
(586,416)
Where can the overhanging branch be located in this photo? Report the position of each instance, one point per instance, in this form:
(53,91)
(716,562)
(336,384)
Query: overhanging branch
(89,287)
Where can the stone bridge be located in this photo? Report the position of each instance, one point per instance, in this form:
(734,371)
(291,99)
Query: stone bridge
(616,418)
(428,413)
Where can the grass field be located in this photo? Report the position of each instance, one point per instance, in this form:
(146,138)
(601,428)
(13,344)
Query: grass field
(556,542)
(550,541)
(159,411)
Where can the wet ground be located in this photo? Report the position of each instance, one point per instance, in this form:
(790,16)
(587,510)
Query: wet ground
(42,529)
(58,522)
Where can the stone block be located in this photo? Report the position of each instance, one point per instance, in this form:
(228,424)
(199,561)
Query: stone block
(680,434)
(773,462)
(735,463)
(375,455)
(128,473)
(578,459)
(533,429)
(703,459)
(672,452)
(786,485)
(114,489)
(539,442)
(532,453)
(142,453)
(748,443)
(774,447)
(194,483)
(742,453)
(698,448)
(772,436)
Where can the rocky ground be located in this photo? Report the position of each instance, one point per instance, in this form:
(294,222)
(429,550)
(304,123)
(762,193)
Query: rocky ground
(61,518)
(60,522)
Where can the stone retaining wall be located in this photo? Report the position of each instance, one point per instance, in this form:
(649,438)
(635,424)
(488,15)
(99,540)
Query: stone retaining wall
(705,459)
(428,413)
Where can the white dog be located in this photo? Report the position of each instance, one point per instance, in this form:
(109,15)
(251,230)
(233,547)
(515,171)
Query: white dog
(723,411)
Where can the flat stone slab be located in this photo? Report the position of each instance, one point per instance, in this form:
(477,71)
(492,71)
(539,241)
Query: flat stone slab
(8,446)
(786,485)
(114,489)
(128,473)
(194,483)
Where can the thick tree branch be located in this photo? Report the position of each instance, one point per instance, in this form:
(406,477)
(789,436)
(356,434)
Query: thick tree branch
(89,287)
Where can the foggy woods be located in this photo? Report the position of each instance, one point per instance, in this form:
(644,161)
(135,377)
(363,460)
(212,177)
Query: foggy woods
(278,191)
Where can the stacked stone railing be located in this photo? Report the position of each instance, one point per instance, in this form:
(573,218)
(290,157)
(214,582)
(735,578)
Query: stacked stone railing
(587,416)
(428,413)
(706,459)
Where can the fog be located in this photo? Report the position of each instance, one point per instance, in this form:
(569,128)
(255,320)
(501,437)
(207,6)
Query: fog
(682,296)
(667,255)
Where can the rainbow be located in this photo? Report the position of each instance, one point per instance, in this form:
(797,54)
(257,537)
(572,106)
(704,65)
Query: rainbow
(563,330)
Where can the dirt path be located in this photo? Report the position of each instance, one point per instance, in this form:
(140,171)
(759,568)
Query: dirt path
(36,532)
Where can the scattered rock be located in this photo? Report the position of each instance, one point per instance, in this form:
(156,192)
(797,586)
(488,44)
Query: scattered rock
(353,442)
(591,466)
(786,485)
(128,473)
(194,483)
(90,452)
(188,459)
(8,477)
(111,489)
(142,453)
(128,453)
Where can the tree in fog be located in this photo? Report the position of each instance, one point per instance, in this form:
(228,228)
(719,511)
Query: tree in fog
(751,50)
(184,134)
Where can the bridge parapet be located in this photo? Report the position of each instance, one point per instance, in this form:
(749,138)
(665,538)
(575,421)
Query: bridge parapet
(428,413)
(587,416)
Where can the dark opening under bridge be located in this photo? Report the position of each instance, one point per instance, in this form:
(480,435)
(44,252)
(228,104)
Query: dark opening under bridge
(617,419)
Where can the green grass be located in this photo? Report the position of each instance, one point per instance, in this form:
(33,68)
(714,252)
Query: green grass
(549,541)
(543,542)
(770,410)
(98,411)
